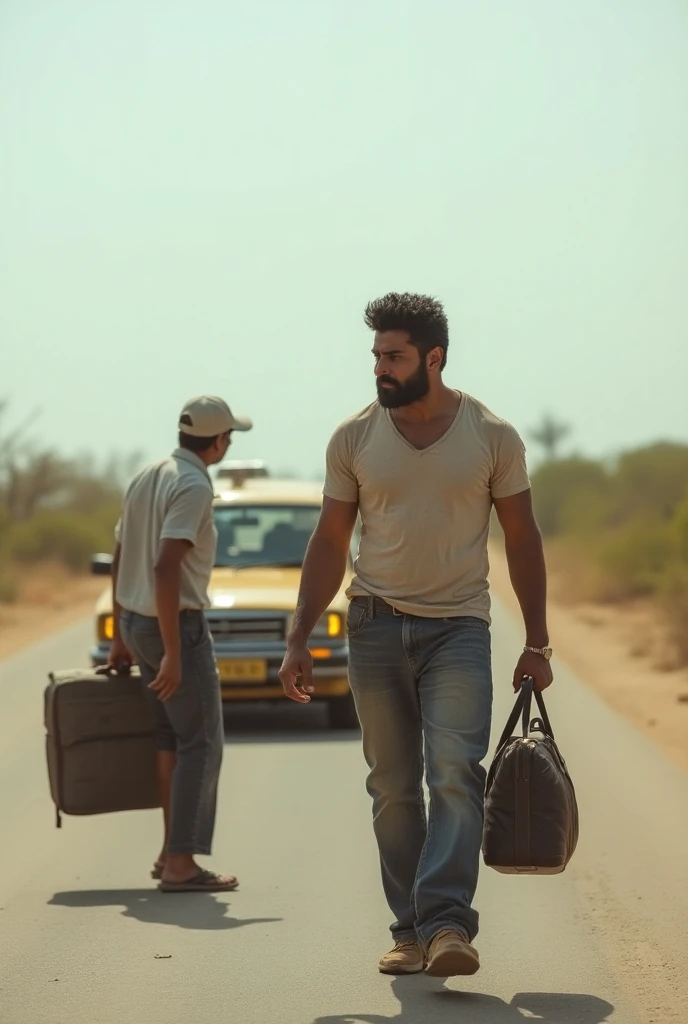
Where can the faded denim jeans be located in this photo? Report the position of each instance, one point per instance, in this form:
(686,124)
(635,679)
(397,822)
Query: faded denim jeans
(423,692)
(190,723)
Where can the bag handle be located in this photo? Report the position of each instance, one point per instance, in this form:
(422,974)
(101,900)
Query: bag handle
(544,717)
(522,709)
(524,695)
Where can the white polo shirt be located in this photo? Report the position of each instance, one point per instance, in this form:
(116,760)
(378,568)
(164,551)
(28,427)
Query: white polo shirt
(171,499)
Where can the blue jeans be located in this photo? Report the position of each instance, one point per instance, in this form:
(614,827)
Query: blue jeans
(423,692)
(190,723)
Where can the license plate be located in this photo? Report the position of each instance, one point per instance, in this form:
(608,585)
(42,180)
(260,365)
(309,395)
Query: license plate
(249,670)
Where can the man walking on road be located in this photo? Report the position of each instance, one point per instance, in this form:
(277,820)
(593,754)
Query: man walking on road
(423,465)
(166,540)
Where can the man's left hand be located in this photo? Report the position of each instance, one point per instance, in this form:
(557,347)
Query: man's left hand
(534,665)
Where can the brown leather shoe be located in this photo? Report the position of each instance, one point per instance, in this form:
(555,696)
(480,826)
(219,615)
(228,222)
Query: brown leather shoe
(450,954)
(406,958)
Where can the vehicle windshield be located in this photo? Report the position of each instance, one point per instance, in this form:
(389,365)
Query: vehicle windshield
(269,535)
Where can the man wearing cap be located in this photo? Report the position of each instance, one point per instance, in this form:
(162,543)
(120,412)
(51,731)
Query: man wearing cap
(165,552)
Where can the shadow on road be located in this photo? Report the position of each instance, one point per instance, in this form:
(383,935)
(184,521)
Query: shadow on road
(283,723)
(198,911)
(426,1000)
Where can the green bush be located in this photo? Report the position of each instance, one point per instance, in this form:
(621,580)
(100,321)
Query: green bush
(679,532)
(621,530)
(569,488)
(651,481)
(68,537)
(5,519)
(636,556)
(52,507)
(9,587)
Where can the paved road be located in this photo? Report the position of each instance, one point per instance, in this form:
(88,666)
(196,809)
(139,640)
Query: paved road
(85,937)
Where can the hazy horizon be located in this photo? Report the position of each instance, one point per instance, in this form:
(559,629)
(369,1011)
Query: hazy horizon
(204,197)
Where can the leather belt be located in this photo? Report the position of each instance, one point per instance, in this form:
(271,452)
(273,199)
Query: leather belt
(377,605)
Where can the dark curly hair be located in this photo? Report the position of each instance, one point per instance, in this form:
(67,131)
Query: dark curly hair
(420,315)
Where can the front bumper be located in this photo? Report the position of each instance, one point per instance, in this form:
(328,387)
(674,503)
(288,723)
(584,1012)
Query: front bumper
(330,665)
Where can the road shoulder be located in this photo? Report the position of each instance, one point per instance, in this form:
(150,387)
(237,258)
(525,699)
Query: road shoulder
(50,601)
(612,650)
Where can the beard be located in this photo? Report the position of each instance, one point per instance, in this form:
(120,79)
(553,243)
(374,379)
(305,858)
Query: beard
(398,395)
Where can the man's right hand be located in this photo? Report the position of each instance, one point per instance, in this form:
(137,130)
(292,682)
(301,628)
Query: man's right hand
(169,677)
(118,655)
(297,665)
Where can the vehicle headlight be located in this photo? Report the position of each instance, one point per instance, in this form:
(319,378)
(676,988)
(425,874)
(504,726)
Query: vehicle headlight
(106,627)
(329,627)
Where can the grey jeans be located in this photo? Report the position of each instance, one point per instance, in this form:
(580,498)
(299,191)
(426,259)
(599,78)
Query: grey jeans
(423,692)
(190,723)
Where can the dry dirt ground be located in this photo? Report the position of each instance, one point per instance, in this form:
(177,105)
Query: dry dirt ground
(621,652)
(50,599)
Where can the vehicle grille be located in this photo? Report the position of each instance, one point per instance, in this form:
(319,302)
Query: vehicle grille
(247,630)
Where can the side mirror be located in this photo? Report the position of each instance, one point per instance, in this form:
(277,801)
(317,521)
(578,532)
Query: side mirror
(101,565)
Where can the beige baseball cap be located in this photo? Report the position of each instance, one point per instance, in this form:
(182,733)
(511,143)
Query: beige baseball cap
(208,415)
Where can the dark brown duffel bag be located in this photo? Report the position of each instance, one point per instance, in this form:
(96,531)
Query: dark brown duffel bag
(100,742)
(531,814)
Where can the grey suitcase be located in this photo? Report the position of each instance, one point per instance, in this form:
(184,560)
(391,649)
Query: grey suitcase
(100,743)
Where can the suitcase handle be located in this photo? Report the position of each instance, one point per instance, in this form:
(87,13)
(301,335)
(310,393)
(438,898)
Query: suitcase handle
(123,669)
(522,709)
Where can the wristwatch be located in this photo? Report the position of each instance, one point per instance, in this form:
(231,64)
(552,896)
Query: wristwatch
(546,652)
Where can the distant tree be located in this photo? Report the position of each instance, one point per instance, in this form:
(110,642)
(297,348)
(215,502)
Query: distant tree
(34,481)
(27,476)
(549,434)
(33,478)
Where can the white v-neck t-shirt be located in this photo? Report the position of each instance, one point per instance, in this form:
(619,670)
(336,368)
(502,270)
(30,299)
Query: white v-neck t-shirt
(425,513)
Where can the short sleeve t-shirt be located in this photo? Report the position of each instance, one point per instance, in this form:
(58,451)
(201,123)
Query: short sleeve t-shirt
(425,513)
(172,499)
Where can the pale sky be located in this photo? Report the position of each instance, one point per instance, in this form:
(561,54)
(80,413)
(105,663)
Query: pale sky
(202,196)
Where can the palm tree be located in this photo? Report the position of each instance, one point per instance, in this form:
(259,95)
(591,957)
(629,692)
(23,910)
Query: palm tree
(549,434)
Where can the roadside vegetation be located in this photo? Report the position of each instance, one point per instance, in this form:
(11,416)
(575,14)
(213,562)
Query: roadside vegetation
(53,511)
(617,531)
